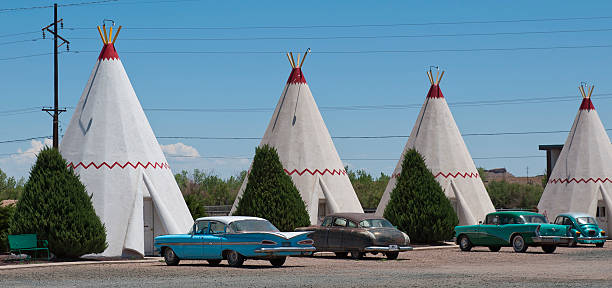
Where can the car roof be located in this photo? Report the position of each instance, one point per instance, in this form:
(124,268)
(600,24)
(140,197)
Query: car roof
(228,219)
(515,213)
(357,217)
(575,214)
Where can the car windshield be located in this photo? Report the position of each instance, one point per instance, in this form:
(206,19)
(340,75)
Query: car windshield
(534,219)
(586,220)
(252,225)
(368,223)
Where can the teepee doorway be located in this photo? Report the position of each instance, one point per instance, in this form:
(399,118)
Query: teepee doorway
(602,218)
(149,226)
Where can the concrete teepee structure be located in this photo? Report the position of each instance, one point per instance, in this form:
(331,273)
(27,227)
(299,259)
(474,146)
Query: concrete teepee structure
(435,135)
(306,150)
(581,180)
(111,145)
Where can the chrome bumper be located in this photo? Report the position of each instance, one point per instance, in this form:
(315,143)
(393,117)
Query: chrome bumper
(551,239)
(390,248)
(592,238)
(273,250)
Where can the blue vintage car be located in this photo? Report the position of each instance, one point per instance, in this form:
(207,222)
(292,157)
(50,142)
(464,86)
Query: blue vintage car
(583,228)
(235,239)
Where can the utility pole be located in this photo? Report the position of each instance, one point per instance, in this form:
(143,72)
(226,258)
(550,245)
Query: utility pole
(56,111)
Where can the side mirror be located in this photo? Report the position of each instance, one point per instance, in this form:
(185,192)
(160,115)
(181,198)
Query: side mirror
(479,222)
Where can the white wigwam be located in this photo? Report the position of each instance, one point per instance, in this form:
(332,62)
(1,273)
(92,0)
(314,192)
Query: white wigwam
(306,150)
(436,137)
(111,145)
(581,180)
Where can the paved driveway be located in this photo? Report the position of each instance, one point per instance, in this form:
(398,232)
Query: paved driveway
(568,267)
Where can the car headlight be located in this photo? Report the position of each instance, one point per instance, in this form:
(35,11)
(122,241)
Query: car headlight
(406,237)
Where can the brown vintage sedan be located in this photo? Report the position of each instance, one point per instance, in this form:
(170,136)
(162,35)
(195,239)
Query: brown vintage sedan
(358,233)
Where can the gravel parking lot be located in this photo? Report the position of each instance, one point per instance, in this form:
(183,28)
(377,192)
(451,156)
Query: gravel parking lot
(584,266)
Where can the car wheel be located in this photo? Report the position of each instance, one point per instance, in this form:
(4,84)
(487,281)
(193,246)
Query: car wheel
(549,248)
(392,255)
(600,244)
(278,262)
(170,257)
(214,262)
(518,243)
(341,254)
(234,259)
(356,254)
(464,243)
(494,248)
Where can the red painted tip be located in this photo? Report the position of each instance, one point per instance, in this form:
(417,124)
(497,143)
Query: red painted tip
(108,52)
(435,92)
(587,104)
(296,76)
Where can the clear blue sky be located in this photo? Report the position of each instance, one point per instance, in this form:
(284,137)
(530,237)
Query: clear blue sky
(239,80)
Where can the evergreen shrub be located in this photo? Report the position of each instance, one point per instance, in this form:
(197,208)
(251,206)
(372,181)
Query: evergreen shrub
(418,205)
(56,207)
(271,194)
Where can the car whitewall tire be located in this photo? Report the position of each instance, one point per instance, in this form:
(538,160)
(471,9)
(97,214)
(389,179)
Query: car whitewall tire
(234,259)
(464,243)
(170,257)
(518,244)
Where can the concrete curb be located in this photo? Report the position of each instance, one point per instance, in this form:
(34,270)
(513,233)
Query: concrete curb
(435,247)
(448,245)
(58,264)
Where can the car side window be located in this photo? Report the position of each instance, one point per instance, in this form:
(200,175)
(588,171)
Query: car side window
(559,220)
(352,224)
(492,219)
(513,220)
(201,227)
(327,222)
(339,222)
(217,227)
(504,219)
(567,221)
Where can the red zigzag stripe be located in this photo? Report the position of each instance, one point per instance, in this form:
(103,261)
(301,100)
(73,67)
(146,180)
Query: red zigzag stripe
(317,171)
(160,165)
(580,180)
(464,175)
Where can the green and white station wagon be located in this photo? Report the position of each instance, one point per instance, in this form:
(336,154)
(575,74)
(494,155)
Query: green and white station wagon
(516,229)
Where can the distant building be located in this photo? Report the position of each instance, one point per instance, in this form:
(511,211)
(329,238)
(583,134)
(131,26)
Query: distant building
(552,154)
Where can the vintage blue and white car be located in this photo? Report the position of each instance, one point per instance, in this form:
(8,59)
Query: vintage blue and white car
(583,228)
(235,239)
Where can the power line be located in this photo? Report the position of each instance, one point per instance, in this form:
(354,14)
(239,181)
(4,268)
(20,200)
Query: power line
(20,33)
(27,56)
(24,139)
(37,108)
(59,5)
(365,51)
(368,25)
(334,137)
(357,37)
(349,159)
(384,106)
(341,108)
(369,136)
(19,41)
(333,52)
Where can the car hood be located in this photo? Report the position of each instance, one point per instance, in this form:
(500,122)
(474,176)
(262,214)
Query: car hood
(589,227)
(386,235)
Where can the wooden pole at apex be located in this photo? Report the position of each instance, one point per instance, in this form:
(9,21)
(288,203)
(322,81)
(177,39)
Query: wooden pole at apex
(116,34)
